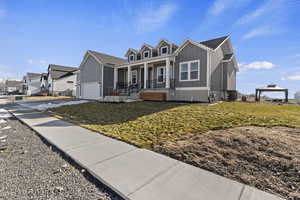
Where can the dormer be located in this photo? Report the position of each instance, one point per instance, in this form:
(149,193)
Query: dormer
(165,47)
(131,54)
(146,51)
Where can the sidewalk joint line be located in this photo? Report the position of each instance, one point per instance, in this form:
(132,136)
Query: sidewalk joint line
(242,191)
(154,177)
(115,156)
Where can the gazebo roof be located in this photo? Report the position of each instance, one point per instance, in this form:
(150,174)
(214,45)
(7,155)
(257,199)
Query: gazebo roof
(271,87)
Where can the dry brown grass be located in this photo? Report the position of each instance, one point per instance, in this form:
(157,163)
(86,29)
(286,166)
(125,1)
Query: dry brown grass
(266,158)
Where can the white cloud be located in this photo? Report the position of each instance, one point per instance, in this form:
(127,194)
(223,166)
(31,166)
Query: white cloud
(264,9)
(264,30)
(269,18)
(30,61)
(154,18)
(42,62)
(294,78)
(220,6)
(256,65)
(37,63)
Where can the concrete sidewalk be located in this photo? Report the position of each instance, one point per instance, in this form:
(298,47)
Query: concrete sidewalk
(134,173)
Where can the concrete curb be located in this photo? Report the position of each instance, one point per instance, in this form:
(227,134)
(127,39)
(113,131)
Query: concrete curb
(165,178)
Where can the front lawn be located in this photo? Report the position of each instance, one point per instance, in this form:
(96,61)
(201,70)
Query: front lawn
(256,144)
(147,123)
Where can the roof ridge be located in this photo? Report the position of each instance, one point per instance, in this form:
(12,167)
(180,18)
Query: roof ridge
(92,51)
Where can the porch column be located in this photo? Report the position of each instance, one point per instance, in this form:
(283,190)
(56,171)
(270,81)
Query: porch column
(168,73)
(145,75)
(129,75)
(115,78)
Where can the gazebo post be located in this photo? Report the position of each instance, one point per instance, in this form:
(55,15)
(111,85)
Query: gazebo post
(286,96)
(256,97)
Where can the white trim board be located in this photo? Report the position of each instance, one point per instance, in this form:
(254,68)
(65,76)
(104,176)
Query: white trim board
(189,70)
(192,88)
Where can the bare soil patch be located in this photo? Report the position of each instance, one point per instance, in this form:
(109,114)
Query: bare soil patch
(266,158)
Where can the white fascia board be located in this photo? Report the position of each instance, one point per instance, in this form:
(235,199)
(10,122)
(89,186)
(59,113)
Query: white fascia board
(147,60)
(186,42)
(222,43)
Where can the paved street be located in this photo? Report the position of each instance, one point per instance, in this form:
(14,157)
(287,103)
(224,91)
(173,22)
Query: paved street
(134,173)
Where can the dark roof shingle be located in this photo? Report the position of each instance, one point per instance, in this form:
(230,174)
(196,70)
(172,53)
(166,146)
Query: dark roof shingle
(228,56)
(33,75)
(59,71)
(108,59)
(214,43)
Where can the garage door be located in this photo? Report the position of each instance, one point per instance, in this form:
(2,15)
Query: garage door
(91,90)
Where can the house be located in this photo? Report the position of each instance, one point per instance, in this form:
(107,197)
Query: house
(31,83)
(13,87)
(192,71)
(43,82)
(61,80)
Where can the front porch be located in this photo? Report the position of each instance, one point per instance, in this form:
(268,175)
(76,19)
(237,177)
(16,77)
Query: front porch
(145,76)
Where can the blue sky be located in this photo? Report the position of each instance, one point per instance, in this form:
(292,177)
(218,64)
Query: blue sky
(265,33)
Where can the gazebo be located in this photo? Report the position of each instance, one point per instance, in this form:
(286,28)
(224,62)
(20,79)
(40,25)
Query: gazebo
(271,88)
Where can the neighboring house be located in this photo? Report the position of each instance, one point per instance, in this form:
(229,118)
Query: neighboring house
(43,82)
(13,87)
(2,87)
(32,83)
(94,68)
(61,80)
(193,71)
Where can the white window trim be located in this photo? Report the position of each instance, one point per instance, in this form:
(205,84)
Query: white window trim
(146,52)
(130,57)
(164,73)
(189,70)
(162,49)
(136,74)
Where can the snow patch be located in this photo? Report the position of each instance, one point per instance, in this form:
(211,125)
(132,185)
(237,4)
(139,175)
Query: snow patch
(55,105)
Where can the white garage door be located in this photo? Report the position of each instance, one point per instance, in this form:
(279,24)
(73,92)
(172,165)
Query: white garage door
(91,90)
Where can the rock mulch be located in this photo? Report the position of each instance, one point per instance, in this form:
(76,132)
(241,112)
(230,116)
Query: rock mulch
(31,169)
(266,158)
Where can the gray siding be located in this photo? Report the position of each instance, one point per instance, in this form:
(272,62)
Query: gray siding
(189,53)
(91,71)
(146,49)
(217,83)
(188,95)
(162,45)
(108,80)
(231,76)
(122,77)
(226,47)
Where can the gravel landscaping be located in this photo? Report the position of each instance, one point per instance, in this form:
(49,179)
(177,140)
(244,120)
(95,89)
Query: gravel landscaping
(31,169)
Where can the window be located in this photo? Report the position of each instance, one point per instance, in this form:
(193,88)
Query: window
(134,77)
(70,82)
(194,71)
(184,72)
(131,58)
(160,74)
(146,54)
(164,50)
(189,71)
